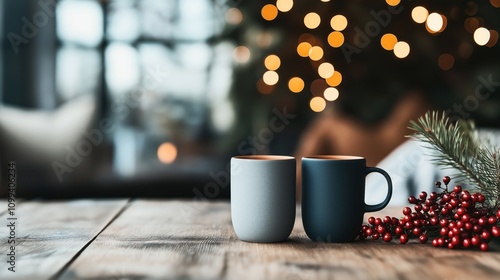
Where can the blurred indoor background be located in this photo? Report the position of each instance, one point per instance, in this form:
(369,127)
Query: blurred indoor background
(151,98)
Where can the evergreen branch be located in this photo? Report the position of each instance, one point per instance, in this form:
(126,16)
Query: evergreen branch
(459,147)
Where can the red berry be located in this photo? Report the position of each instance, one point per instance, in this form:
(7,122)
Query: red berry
(394,221)
(466,204)
(457,189)
(422,238)
(451,246)
(369,231)
(455,240)
(412,199)
(423,195)
(446,180)
(483,246)
(381,229)
(468,226)
(403,238)
(378,221)
(418,207)
(482,221)
(387,237)
(461,211)
(433,221)
(443,222)
(465,217)
(398,230)
(375,236)
(433,195)
(440,241)
(480,198)
(485,235)
(417,231)
(498,214)
(495,231)
(475,240)
(446,197)
(444,231)
(435,242)
(492,220)
(371,220)
(466,242)
(387,220)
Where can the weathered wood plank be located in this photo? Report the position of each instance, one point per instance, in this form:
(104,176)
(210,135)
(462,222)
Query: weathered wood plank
(172,240)
(50,234)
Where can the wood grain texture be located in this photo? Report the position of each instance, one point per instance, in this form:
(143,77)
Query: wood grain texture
(187,240)
(50,234)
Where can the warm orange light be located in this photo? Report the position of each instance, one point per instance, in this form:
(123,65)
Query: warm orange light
(446,61)
(312,20)
(338,22)
(401,49)
(303,49)
(331,94)
(296,84)
(269,12)
(317,104)
(392,2)
(270,78)
(167,153)
(316,53)
(336,39)
(388,41)
(284,5)
(481,36)
(419,14)
(325,70)
(434,22)
(272,62)
(335,79)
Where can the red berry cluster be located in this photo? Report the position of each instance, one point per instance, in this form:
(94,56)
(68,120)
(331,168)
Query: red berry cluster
(459,218)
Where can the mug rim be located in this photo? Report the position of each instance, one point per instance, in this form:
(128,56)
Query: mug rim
(332,157)
(264,157)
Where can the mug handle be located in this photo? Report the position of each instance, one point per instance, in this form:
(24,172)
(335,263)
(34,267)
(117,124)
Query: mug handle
(383,204)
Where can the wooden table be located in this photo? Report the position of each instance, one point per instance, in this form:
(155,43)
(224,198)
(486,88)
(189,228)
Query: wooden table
(172,239)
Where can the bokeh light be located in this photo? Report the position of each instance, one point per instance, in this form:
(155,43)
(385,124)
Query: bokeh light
(316,53)
(331,94)
(307,37)
(269,12)
(388,41)
(419,14)
(241,54)
(434,22)
(335,79)
(296,84)
(446,61)
(284,5)
(263,87)
(325,70)
(317,104)
(392,2)
(167,153)
(303,49)
(272,62)
(336,39)
(270,78)
(234,16)
(401,49)
(493,38)
(471,24)
(495,3)
(481,36)
(317,87)
(338,22)
(312,20)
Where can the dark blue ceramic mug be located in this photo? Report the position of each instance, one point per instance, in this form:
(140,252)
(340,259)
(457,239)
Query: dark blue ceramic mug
(333,196)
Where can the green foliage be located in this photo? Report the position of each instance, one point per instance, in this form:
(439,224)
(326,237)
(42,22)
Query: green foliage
(459,147)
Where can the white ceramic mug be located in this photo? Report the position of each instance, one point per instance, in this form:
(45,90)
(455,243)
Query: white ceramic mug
(263,197)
